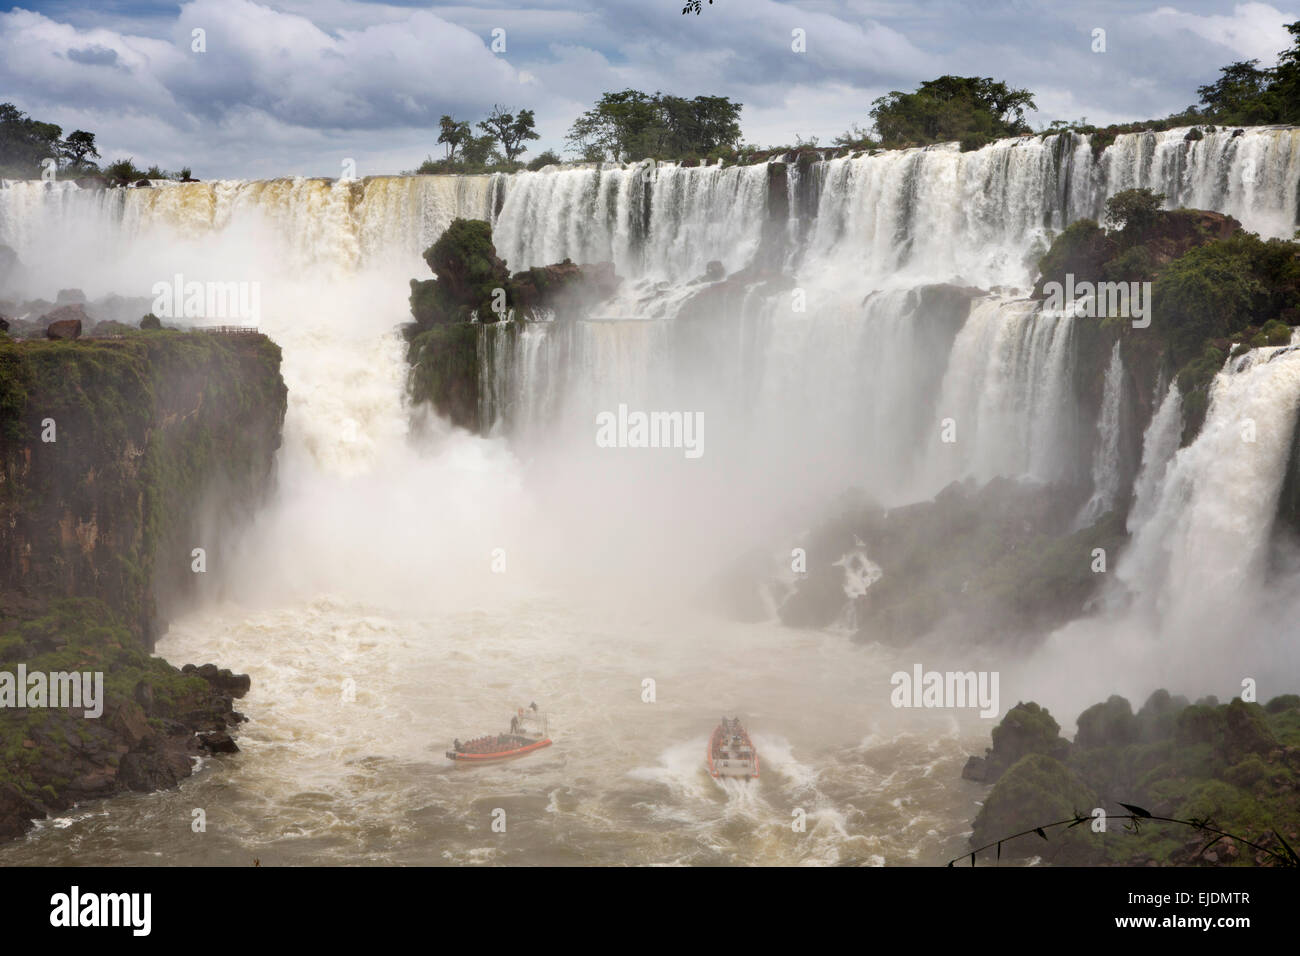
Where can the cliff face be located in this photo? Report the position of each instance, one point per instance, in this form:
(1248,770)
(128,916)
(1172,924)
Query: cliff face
(120,457)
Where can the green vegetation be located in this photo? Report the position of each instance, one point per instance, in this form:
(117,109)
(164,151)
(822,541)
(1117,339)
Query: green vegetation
(42,750)
(1245,95)
(474,288)
(147,424)
(632,125)
(1232,766)
(497,150)
(26,144)
(1216,288)
(971,110)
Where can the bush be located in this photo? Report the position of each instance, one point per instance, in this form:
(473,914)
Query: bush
(547,158)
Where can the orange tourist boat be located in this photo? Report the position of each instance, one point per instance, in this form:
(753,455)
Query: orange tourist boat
(527,733)
(731,753)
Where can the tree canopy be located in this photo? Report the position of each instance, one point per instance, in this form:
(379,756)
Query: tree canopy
(1246,95)
(634,125)
(969,109)
(26,145)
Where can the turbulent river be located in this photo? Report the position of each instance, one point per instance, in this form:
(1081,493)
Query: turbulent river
(364,601)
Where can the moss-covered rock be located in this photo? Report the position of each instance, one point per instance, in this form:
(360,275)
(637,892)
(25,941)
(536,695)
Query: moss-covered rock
(1036,790)
(152,720)
(473,288)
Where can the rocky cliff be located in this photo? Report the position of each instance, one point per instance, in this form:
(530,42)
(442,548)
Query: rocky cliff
(119,458)
(124,466)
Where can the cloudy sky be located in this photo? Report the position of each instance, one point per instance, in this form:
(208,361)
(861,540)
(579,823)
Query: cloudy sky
(295,88)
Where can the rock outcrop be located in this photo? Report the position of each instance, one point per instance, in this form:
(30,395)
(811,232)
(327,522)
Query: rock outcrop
(474,289)
(119,457)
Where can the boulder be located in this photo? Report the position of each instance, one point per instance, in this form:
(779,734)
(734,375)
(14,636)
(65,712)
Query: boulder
(222,680)
(71,312)
(65,329)
(70,296)
(16,812)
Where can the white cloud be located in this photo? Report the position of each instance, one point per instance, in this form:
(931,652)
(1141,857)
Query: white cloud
(290,87)
(1254,31)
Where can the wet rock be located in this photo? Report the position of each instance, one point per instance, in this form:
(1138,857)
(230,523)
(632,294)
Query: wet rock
(218,743)
(131,724)
(16,812)
(223,680)
(976,769)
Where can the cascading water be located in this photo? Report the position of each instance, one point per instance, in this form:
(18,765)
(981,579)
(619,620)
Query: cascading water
(375,564)
(1198,555)
(1158,447)
(1106,475)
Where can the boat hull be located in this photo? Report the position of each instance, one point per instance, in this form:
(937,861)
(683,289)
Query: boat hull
(723,766)
(471,759)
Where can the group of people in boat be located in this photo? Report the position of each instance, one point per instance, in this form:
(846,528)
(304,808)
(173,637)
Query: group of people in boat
(492,743)
(484,745)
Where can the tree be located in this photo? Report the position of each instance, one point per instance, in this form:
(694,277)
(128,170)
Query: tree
(547,158)
(454,134)
(1133,211)
(970,109)
(509,130)
(78,148)
(25,143)
(478,151)
(693,5)
(1245,94)
(1240,95)
(1286,79)
(634,125)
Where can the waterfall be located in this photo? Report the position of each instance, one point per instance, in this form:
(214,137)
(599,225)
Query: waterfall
(306,224)
(837,368)
(666,222)
(1159,444)
(1008,397)
(1106,476)
(1204,543)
